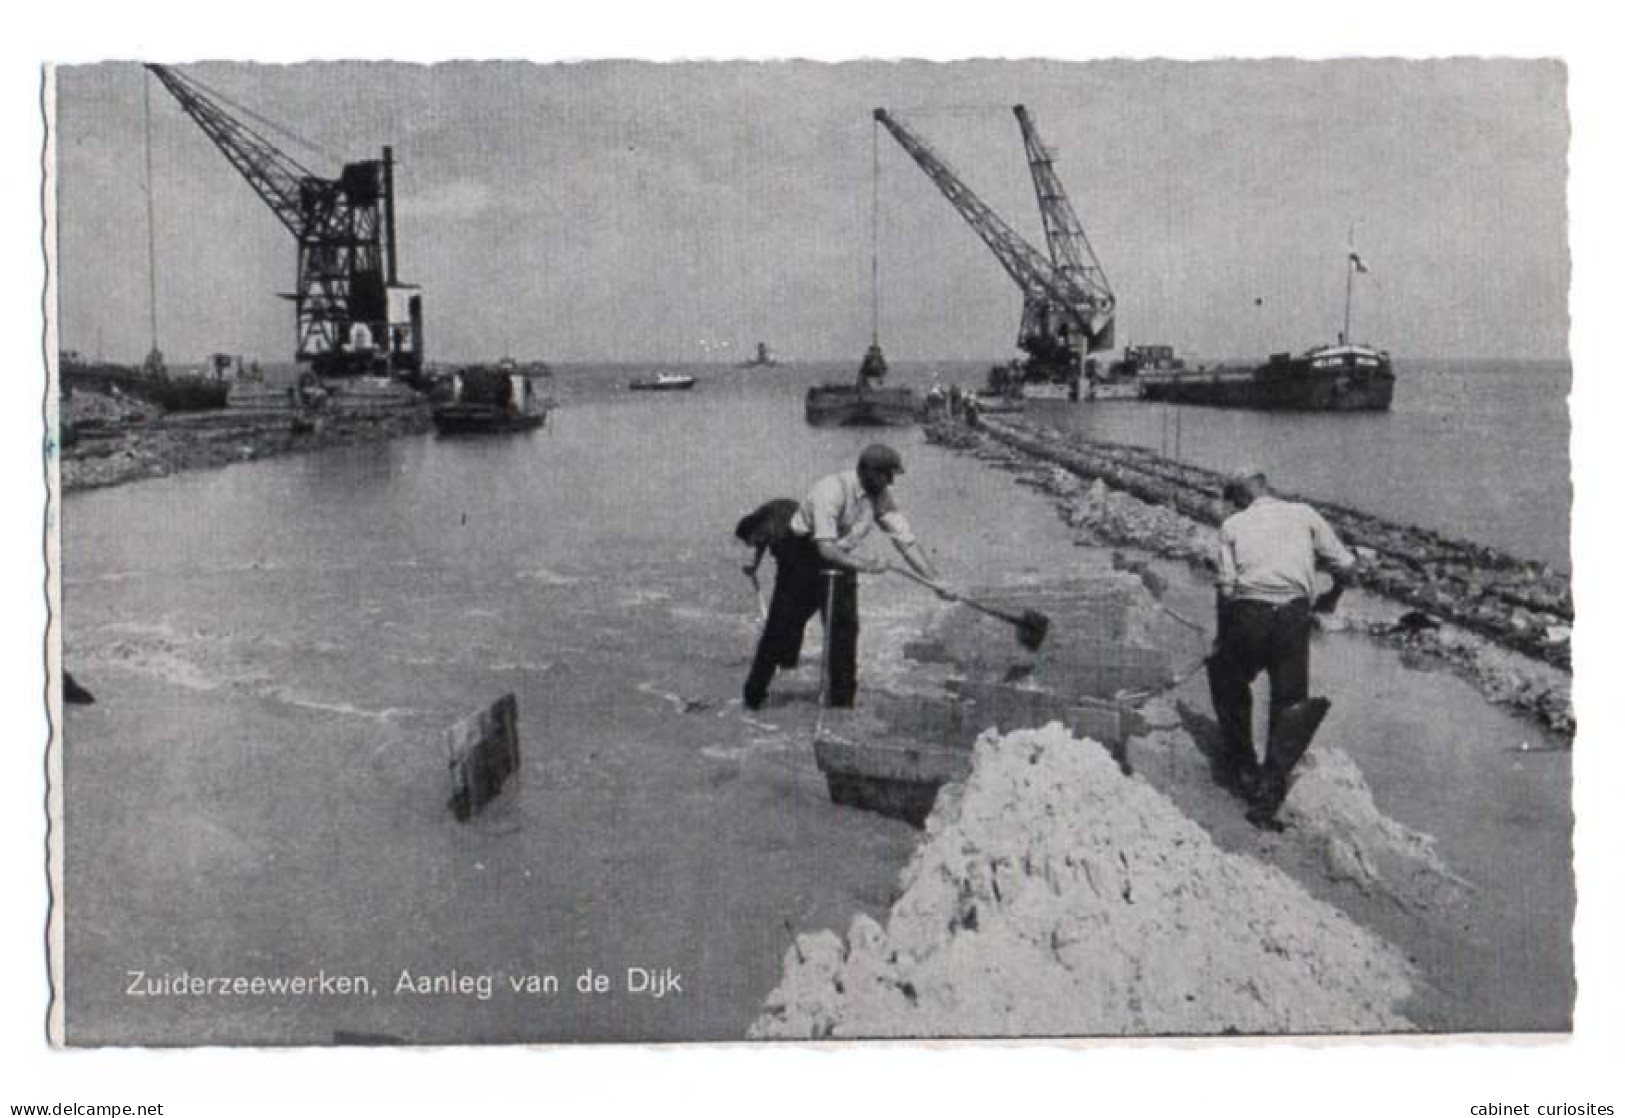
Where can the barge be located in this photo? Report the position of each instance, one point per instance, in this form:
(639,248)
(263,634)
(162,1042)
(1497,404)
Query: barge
(1339,377)
(490,401)
(866,403)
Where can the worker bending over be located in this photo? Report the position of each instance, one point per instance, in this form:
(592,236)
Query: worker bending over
(818,568)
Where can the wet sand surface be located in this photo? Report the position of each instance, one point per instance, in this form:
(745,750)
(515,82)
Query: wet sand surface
(1492,789)
(260,788)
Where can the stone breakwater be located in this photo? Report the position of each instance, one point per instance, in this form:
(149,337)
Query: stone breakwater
(1504,623)
(1054,896)
(145,446)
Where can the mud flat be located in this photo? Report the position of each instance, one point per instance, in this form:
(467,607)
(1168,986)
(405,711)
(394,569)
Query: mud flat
(1503,623)
(131,442)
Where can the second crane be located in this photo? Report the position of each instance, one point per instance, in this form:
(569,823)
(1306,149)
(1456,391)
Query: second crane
(1067,304)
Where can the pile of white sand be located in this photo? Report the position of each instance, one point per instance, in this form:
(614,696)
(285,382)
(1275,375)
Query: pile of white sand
(1054,896)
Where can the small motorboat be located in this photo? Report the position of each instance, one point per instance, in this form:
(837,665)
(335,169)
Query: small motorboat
(664,382)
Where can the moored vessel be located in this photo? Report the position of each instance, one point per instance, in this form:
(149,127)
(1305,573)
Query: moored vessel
(486,400)
(1340,377)
(1327,378)
(866,403)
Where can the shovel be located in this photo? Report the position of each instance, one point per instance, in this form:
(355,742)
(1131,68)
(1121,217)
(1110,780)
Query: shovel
(1031,626)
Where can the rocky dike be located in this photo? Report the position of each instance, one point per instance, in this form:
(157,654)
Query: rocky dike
(112,438)
(1503,623)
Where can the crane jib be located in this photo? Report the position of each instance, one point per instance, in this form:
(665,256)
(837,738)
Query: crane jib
(1065,294)
(352,314)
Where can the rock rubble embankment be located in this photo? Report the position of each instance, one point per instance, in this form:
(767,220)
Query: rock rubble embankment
(1504,623)
(116,441)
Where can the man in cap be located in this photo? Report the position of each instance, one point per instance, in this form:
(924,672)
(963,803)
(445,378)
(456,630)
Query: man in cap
(818,568)
(1268,551)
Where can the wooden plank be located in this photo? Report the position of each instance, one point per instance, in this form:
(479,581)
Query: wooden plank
(891,759)
(483,752)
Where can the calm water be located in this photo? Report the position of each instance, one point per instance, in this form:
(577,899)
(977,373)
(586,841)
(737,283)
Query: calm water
(276,646)
(275,649)
(1476,451)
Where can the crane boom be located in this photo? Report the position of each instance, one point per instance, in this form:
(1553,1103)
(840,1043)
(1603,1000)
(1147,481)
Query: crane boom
(1069,246)
(352,314)
(276,177)
(1058,306)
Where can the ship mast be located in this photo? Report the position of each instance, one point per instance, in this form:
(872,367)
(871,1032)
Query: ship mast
(1348,291)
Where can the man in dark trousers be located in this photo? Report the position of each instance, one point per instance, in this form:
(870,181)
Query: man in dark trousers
(1267,555)
(818,572)
(767,529)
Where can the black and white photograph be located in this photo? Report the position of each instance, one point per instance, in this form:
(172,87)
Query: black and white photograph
(786,552)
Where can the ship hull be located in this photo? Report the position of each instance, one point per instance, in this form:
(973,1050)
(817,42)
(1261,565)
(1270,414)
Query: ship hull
(670,384)
(843,405)
(1349,379)
(484,419)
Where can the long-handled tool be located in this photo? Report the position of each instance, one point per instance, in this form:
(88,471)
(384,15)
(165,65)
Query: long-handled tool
(1031,626)
(756,585)
(824,663)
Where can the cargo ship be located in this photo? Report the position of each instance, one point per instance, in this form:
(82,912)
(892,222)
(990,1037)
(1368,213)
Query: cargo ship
(1340,377)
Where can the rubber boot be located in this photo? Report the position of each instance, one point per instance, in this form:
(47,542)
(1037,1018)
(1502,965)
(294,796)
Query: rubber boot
(1291,731)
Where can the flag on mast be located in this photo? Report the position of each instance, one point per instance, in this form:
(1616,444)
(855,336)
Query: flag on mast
(1359,265)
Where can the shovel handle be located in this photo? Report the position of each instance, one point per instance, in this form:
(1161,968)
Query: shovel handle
(980,607)
(923,581)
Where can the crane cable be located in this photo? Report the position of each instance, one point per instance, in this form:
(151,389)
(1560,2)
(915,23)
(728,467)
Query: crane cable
(874,237)
(269,124)
(152,239)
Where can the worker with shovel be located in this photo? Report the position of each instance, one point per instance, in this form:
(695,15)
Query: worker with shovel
(818,572)
(1267,554)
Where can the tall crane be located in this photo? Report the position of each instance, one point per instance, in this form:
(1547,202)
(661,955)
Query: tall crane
(353,316)
(1067,305)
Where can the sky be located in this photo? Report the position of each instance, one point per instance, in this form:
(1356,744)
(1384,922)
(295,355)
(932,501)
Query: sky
(644,212)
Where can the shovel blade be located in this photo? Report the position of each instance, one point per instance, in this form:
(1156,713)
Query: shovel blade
(1031,630)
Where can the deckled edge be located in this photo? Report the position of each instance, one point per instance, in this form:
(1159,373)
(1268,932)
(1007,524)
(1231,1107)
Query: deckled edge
(54,1016)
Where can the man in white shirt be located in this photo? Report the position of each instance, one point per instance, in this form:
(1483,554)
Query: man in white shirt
(818,568)
(1267,555)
